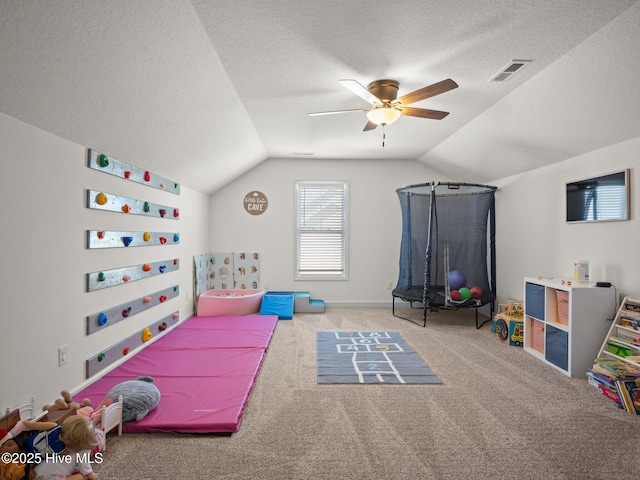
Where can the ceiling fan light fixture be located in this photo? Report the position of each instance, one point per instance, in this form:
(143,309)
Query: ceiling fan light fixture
(383,115)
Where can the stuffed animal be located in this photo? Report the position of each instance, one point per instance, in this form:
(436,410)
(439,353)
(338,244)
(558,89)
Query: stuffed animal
(66,402)
(139,397)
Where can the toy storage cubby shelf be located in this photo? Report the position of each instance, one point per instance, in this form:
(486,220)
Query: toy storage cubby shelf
(567,338)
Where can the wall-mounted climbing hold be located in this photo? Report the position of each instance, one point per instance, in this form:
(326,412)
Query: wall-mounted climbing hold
(176,238)
(146,334)
(146,267)
(146,299)
(101,357)
(126,208)
(101,277)
(146,236)
(100,235)
(162,327)
(162,298)
(103,161)
(127,241)
(146,207)
(101,199)
(176,315)
(162,212)
(126,278)
(147,176)
(175,262)
(162,268)
(126,312)
(163,186)
(176,212)
(102,319)
(163,240)
(125,351)
(127,174)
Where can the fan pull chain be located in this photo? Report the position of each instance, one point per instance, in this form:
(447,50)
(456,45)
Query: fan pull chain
(383,135)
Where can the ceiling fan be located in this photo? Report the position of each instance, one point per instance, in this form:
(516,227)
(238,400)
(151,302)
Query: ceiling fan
(386,108)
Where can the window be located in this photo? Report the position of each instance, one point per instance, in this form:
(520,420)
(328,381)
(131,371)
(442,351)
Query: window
(321,230)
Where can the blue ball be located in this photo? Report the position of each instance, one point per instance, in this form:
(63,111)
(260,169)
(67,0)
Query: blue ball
(457,280)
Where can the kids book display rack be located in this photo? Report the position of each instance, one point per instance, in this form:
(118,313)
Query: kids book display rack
(616,370)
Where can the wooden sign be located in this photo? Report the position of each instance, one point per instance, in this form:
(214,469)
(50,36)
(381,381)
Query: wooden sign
(255,203)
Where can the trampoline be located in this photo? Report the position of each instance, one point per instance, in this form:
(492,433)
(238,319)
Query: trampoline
(446,227)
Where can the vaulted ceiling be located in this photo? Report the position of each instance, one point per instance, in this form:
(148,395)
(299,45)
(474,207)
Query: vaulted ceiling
(201,91)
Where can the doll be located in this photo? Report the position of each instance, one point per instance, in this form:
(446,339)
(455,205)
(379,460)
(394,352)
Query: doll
(65,449)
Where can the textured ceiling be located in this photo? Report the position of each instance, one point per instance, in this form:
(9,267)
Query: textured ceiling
(202,91)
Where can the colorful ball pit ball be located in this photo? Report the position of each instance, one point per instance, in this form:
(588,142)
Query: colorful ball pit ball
(455,295)
(476,291)
(465,293)
(457,280)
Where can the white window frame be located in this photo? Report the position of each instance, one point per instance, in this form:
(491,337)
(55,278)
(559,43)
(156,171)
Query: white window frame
(299,273)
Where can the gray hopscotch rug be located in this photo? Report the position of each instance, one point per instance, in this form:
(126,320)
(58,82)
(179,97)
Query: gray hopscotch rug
(369,357)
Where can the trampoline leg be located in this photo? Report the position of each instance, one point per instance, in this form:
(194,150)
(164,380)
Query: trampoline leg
(488,319)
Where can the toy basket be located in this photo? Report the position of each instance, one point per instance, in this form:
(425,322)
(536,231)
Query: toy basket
(563,307)
(537,335)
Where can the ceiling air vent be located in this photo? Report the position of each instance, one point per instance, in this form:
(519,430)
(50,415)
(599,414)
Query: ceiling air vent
(511,69)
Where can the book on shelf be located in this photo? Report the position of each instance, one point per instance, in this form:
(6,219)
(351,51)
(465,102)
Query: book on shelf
(616,368)
(597,378)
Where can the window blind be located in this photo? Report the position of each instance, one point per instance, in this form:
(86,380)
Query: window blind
(321,240)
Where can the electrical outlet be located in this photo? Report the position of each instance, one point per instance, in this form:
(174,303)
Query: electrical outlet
(63,355)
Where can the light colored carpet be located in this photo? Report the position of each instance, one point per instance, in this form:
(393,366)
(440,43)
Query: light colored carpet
(498,414)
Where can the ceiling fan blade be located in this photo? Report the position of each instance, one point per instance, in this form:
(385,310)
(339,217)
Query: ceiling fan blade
(426,92)
(361,91)
(339,111)
(369,126)
(423,113)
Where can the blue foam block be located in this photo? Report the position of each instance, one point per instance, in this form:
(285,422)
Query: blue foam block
(278,303)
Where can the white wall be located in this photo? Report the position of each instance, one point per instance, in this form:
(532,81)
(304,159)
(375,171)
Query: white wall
(44,260)
(533,238)
(375,223)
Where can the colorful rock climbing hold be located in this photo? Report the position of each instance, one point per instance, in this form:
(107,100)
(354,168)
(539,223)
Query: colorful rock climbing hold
(126,312)
(127,174)
(162,327)
(175,261)
(163,240)
(146,334)
(176,238)
(101,277)
(162,212)
(101,357)
(146,207)
(127,241)
(126,278)
(162,186)
(101,235)
(146,236)
(176,315)
(146,267)
(147,176)
(162,298)
(146,299)
(101,199)
(102,319)
(176,213)
(162,268)
(125,351)
(103,160)
(126,208)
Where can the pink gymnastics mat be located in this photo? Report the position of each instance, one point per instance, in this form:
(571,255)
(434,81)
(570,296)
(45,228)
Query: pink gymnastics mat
(204,368)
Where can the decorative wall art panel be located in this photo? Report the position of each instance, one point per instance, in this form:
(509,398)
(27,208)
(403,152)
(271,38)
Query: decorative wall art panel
(116,203)
(111,316)
(103,163)
(116,352)
(110,239)
(118,276)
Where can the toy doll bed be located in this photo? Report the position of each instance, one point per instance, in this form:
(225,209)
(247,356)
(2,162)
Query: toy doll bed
(446,227)
(205,369)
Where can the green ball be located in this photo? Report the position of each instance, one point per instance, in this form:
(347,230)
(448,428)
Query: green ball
(465,293)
